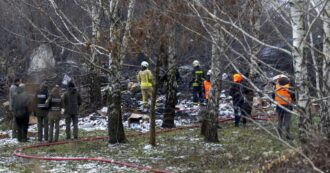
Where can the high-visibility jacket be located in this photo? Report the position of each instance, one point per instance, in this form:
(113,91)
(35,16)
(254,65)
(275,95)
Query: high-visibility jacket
(145,78)
(282,94)
(198,77)
(207,87)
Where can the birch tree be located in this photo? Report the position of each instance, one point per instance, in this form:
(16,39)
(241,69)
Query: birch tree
(299,63)
(171,72)
(94,83)
(326,70)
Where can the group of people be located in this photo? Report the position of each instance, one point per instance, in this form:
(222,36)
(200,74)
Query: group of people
(47,107)
(241,92)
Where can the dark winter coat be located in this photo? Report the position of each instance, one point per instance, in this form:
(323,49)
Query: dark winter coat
(72,101)
(21,103)
(236,92)
(197,77)
(248,97)
(41,97)
(55,104)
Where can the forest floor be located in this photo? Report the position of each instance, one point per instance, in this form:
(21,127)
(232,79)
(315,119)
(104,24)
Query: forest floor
(238,150)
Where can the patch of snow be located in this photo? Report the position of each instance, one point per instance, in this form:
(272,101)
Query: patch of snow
(147,147)
(8,141)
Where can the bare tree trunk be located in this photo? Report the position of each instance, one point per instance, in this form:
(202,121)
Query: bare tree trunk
(116,129)
(256,8)
(127,29)
(211,119)
(171,83)
(314,59)
(326,71)
(300,67)
(161,55)
(94,82)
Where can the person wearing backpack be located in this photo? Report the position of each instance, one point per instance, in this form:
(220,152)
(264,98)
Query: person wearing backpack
(21,109)
(55,104)
(197,83)
(145,79)
(42,112)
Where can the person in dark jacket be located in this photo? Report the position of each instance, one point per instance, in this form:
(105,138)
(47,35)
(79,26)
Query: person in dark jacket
(42,112)
(284,96)
(197,83)
(236,92)
(248,100)
(21,110)
(72,101)
(54,115)
(12,93)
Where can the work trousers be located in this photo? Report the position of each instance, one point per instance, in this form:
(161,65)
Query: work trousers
(13,125)
(54,122)
(146,94)
(284,121)
(74,119)
(22,128)
(42,128)
(244,114)
(198,95)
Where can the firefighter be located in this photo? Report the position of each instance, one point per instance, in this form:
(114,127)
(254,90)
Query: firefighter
(42,112)
(21,110)
(197,83)
(236,92)
(284,96)
(207,85)
(54,115)
(145,79)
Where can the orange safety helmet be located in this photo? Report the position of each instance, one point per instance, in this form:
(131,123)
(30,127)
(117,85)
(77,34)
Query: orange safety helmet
(237,78)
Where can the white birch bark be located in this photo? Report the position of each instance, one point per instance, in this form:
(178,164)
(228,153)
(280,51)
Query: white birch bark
(128,27)
(326,69)
(115,124)
(256,10)
(171,81)
(299,63)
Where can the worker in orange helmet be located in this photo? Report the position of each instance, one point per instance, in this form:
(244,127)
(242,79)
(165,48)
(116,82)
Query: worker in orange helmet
(236,92)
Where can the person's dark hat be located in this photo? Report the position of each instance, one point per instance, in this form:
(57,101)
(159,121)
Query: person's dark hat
(283,81)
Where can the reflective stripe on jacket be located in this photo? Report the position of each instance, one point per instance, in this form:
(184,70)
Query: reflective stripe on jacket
(198,78)
(42,97)
(145,78)
(282,95)
(207,87)
(55,104)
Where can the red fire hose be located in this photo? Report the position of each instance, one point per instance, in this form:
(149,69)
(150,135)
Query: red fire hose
(18,151)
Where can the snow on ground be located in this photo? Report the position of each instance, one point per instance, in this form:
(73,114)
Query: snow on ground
(96,121)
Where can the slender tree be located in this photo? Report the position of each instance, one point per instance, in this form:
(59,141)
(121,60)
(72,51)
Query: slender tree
(326,70)
(299,63)
(94,82)
(171,81)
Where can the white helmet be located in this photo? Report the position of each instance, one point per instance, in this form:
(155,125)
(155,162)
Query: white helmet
(196,63)
(145,64)
(209,73)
